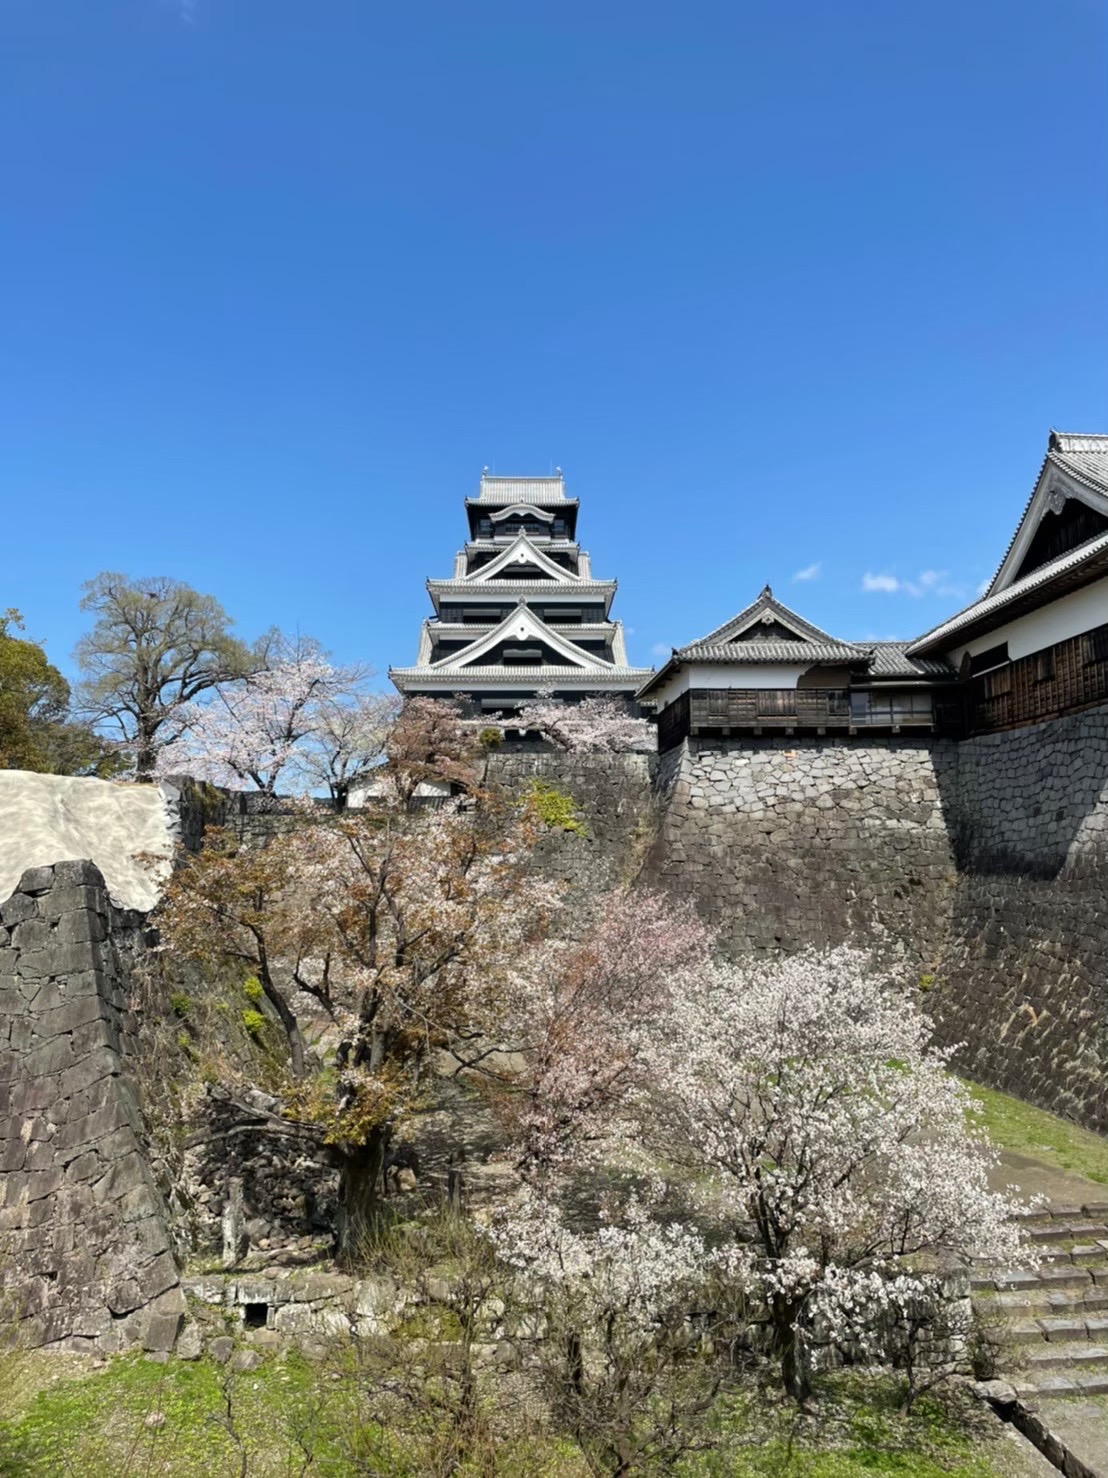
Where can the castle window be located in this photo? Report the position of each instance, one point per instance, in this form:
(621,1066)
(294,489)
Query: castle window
(1095,644)
(985,661)
(998,683)
(1043,665)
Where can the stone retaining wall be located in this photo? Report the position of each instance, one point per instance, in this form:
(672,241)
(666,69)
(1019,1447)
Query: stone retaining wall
(85,1256)
(1023,982)
(786,843)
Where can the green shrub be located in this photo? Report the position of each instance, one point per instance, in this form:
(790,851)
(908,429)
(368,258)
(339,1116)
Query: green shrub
(253,1021)
(490,737)
(252,988)
(556,808)
(926,982)
(180,1004)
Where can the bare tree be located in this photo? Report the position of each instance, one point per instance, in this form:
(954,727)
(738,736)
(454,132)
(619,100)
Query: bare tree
(155,646)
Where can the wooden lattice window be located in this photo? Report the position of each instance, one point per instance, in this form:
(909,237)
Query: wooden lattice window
(1095,645)
(998,683)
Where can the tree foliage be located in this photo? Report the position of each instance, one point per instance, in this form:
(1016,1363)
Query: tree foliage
(300,721)
(598,724)
(154,647)
(401,926)
(808,1094)
(36,731)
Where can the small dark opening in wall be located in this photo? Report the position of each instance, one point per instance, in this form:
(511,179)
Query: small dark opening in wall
(254,1316)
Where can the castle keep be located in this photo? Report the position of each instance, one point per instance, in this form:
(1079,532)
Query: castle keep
(522,612)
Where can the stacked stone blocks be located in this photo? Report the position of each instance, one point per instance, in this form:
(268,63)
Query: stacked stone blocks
(86,1256)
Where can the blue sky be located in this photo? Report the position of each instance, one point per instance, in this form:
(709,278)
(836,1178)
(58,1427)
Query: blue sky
(783,288)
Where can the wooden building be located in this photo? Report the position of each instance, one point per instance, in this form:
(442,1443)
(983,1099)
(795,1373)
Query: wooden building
(768,670)
(1033,647)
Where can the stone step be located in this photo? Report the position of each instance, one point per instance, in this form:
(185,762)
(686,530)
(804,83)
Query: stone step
(1067,1231)
(1029,1302)
(1084,1254)
(1072,1383)
(1049,1278)
(1060,1356)
(1055,1328)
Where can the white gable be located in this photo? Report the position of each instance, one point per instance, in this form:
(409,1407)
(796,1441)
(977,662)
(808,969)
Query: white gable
(522,552)
(522,625)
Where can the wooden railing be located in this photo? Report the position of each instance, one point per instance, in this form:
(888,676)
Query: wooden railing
(716,710)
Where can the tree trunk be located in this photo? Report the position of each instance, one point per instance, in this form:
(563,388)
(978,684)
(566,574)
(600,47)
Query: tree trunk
(359,1195)
(787,1347)
(146,750)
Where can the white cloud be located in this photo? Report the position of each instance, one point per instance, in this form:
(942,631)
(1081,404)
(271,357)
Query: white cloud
(659,649)
(887,583)
(927,582)
(809,572)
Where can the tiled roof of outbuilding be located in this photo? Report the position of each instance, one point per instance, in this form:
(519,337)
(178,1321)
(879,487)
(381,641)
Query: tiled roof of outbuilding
(948,631)
(891,659)
(769,608)
(771,651)
(1084,456)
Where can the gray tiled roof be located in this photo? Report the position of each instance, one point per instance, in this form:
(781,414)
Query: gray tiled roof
(771,651)
(1082,456)
(890,659)
(540,490)
(948,630)
(768,604)
(459,676)
(573,587)
(1086,457)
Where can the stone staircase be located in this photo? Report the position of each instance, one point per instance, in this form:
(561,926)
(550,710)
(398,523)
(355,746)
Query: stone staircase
(1052,1323)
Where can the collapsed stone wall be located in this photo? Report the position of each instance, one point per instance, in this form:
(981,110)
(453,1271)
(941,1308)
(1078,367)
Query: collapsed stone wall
(85,1255)
(1023,983)
(790,842)
(289,1187)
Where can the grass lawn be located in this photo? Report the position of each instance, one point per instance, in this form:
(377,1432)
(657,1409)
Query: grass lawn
(173,1421)
(1017,1126)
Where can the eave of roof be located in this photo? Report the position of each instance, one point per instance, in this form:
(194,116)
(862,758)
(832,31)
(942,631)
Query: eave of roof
(1069,571)
(1082,457)
(459,678)
(452,629)
(752,652)
(890,659)
(549,589)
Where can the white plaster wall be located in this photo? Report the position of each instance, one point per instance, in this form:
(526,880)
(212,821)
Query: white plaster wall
(1069,616)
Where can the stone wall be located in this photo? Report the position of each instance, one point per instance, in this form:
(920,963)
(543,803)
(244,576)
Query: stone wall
(615,802)
(85,1259)
(785,843)
(1024,979)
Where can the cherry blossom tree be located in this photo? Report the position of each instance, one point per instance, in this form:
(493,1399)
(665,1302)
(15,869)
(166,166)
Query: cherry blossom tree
(579,1021)
(395,931)
(810,1096)
(346,744)
(299,718)
(598,724)
(618,1355)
